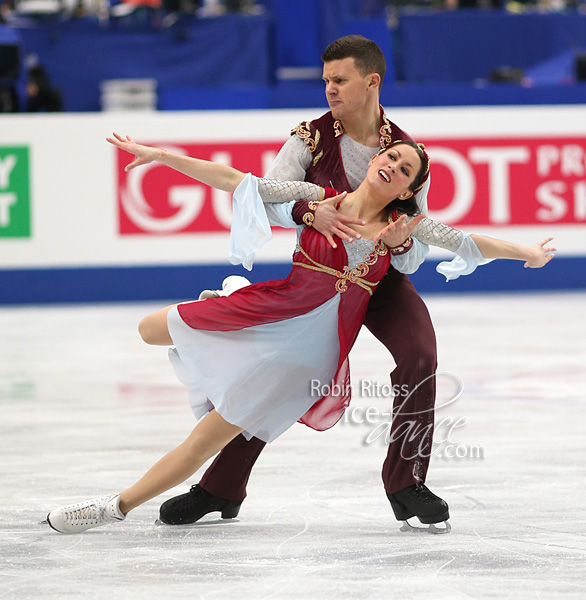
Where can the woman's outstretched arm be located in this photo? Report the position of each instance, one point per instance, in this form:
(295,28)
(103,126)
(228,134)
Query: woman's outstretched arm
(213,174)
(535,256)
(437,234)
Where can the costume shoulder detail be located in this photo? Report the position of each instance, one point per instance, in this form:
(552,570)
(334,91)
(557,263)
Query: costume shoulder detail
(308,133)
(390,132)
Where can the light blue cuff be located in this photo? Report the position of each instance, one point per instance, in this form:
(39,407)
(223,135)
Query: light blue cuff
(411,260)
(250,229)
(467,259)
(279,214)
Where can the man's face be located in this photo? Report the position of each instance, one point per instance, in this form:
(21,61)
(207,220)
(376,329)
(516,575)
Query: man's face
(347,90)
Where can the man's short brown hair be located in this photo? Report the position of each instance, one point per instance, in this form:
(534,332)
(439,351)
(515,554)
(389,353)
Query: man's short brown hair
(369,58)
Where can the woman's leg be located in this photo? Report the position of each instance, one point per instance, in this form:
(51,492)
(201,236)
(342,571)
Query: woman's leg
(208,437)
(153,328)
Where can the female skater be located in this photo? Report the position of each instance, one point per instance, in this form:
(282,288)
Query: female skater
(254,360)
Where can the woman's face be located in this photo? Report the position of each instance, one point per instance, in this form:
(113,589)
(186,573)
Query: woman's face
(394,170)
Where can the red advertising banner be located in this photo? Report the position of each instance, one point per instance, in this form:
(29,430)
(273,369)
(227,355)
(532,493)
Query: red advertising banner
(157,200)
(521,181)
(475,181)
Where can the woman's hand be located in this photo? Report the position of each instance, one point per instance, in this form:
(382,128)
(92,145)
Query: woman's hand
(143,155)
(539,256)
(396,233)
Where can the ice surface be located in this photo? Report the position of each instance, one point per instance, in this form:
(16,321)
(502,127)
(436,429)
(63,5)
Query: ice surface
(87,407)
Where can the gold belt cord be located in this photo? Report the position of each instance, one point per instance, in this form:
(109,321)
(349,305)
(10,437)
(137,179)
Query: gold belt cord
(342,276)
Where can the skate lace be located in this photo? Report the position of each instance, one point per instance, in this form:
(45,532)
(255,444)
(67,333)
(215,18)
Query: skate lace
(195,493)
(423,493)
(88,513)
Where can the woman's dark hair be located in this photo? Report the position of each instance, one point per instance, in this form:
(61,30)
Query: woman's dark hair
(368,57)
(409,205)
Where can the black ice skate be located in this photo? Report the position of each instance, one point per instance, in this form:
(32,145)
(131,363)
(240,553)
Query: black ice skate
(192,506)
(418,501)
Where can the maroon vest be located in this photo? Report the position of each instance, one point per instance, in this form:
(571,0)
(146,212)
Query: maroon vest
(322,137)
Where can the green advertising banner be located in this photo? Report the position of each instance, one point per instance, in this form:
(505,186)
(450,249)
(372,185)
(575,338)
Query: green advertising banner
(15,217)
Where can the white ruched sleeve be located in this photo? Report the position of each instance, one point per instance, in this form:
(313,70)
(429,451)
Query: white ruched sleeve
(250,229)
(251,222)
(467,258)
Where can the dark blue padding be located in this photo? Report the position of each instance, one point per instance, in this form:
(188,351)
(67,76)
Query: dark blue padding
(174,283)
(461,46)
(78,54)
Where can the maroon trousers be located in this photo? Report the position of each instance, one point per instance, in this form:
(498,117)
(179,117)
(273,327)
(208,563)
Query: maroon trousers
(397,317)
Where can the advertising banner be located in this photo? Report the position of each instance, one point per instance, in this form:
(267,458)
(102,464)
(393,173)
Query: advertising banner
(480,181)
(66,202)
(14,192)
(157,200)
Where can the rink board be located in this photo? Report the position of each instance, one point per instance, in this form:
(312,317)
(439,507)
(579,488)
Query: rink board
(75,227)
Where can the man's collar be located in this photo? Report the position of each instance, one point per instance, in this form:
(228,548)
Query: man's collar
(385,131)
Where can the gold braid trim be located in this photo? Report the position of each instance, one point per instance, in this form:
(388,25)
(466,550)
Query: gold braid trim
(385,133)
(402,248)
(342,276)
(309,217)
(303,130)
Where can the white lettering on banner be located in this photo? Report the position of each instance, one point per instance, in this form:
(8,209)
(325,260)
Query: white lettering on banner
(464,185)
(580,201)
(547,156)
(555,207)
(6,201)
(6,166)
(570,158)
(498,160)
(188,198)
(222,201)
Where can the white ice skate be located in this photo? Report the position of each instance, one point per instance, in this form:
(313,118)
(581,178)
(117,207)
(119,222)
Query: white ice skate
(229,285)
(82,516)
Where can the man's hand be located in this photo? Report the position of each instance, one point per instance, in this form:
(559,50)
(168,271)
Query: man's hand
(394,234)
(329,222)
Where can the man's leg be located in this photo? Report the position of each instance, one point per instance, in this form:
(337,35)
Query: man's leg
(228,475)
(398,317)
(221,489)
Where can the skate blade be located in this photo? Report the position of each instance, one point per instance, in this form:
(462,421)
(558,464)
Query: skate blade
(433,528)
(159,523)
